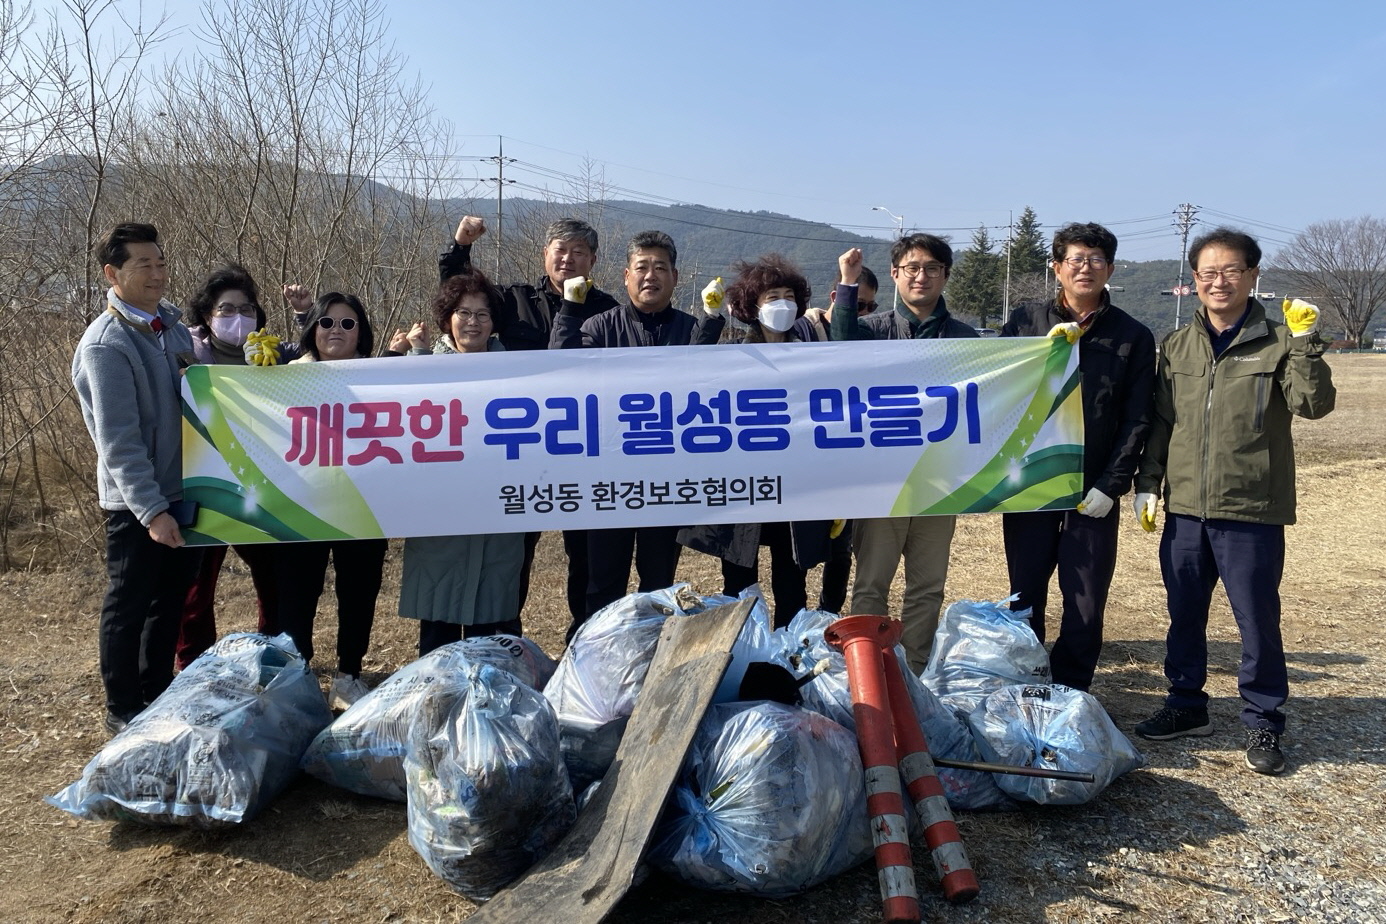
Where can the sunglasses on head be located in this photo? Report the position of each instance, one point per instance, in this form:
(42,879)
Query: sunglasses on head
(328,323)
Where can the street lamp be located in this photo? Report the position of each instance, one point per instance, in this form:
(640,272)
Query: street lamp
(899,233)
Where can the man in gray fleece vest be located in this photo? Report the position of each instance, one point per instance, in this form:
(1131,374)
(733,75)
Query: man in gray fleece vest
(127,374)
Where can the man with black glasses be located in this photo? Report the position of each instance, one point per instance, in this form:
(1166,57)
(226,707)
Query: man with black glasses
(919,264)
(1227,386)
(1116,359)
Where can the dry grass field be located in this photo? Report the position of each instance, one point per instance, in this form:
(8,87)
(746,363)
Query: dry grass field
(1193,837)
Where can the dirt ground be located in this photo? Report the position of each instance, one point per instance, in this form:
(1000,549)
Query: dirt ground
(1193,837)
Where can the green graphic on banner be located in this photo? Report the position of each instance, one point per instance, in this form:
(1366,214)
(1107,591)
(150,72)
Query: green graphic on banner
(251,508)
(1017,477)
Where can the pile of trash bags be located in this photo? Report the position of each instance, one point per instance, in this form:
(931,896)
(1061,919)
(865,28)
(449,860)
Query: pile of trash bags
(222,741)
(488,740)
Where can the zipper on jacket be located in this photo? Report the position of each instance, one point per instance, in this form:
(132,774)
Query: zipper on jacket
(1207,439)
(1258,424)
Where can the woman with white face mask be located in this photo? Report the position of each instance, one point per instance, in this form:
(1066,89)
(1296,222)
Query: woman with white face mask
(220,315)
(770,296)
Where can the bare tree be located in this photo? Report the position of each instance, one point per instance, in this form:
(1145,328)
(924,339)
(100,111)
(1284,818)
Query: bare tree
(1340,265)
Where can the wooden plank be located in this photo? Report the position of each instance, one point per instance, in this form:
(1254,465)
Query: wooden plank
(591,868)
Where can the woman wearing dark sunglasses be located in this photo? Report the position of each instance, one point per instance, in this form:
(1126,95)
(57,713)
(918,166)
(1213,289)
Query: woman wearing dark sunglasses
(335,328)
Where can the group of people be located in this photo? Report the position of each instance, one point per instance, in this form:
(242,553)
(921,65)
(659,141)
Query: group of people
(1203,422)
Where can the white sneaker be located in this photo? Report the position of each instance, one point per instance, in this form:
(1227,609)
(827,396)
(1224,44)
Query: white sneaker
(346,690)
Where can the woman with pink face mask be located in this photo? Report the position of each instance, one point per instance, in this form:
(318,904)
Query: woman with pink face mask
(220,315)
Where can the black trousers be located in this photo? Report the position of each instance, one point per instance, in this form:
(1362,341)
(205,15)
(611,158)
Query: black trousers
(147,583)
(788,582)
(435,633)
(301,572)
(575,546)
(656,550)
(1083,549)
(836,570)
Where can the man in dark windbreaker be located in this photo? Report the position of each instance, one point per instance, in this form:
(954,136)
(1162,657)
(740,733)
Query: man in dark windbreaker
(649,319)
(1116,362)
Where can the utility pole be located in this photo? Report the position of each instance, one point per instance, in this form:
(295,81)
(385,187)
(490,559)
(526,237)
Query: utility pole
(899,233)
(500,160)
(1010,245)
(1184,219)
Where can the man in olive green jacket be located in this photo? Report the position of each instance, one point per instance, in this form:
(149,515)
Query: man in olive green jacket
(1226,388)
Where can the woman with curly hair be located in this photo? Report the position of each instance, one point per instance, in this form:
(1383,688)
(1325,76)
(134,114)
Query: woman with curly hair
(770,296)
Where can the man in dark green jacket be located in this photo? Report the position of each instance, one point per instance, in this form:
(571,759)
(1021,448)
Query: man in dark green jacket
(1226,388)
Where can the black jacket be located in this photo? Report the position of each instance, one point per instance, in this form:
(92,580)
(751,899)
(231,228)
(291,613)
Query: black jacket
(622,326)
(526,321)
(888,325)
(1116,362)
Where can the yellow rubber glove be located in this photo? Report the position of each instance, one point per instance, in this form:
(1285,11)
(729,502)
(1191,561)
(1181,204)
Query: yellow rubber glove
(1145,511)
(836,529)
(1300,316)
(1070,330)
(713,296)
(575,290)
(262,348)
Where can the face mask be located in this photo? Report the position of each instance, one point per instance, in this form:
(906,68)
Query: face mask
(779,314)
(232,330)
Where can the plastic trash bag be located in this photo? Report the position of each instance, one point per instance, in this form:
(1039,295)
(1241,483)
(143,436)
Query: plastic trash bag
(219,744)
(801,646)
(487,790)
(771,800)
(1055,727)
(601,674)
(980,648)
(363,751)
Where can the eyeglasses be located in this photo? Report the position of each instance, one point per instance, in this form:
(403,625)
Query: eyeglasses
(329,323)
(932,270)
(866,307)
(228,310)
(1232,274)
(481,317)
(1096,263)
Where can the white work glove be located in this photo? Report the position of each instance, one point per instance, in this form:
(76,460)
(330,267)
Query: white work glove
(575,290)
(1144,506)
(1096,504)
(714,295)
(1301,317)
(1069,330)
(261,348)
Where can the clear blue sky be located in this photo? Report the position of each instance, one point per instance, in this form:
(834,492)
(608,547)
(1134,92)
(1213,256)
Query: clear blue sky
(950,115)
(1269,115)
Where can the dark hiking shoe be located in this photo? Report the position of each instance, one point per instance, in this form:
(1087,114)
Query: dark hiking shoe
(1175,723)
(1263,751)
(115,724)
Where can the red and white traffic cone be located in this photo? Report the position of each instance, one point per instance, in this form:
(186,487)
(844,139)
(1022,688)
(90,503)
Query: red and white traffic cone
(921,779)
(860,639)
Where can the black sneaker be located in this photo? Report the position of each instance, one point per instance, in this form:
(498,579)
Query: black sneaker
(115,724)
(1175,723)
(1263,751)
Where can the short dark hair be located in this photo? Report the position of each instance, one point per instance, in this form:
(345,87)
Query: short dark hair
(198,311)
(1230,238)
(308,340)
(113,249)
(1086,235)
(771,271)
(571,229)
(653,240)
(931,244)
(867,278)
(451,293)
